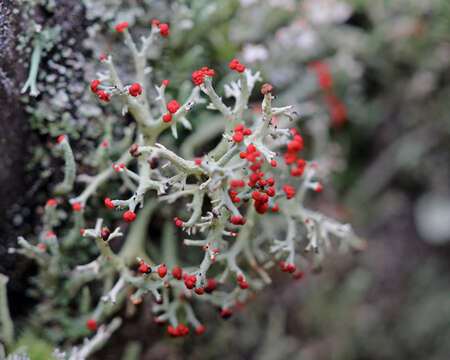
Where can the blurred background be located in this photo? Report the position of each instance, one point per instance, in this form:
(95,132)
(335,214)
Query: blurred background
(381,124)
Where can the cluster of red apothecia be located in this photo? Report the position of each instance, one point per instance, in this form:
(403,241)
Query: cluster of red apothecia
(172,108)
(182,330)
(198,76)
(163,28)
(239,132)
(263,191)
(291,156)
(338,111)
(236,65)
(264,187)
(135,89)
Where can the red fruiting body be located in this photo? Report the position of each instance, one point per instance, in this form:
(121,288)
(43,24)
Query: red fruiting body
(180,330)
(133,150)
(273,163)
(199,75)
(172,331)
(120,27)
(238,220)
(164,29)
(135,89)
(173,106)
(177,273)
(289,190)
(287,268)
(237,183)
(236,65)
(189,281)
(165,82)
(167,117)
(108,203)
(82,231)
(199,291)
(154,163)
(94,85)
(300,275)
(290,158)
(275,208)
(162,271)
(338,115)
(105,144)
(240,132)
(103,96)
(243,285)
(233,64)
(323,73)
(210,286)
(295,146)
(104,234)
(102,57)
(255,167)
(261,207)
(144,269)
(270,192)
(226,313)
(301,163)
(250,149)
(77,207)
(198,161)
(325,81)
(256,195)
(155,22)
(183,330)
(240,68)
(50,202)
(238,137)
(318,188)
(91,324)
(240,278)
(200,330)
(61,138)
(42,247)
(50,234)
(297,172)
(129,216)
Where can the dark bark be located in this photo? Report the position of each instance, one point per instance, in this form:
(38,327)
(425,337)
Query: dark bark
(21,191)
(13,139)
